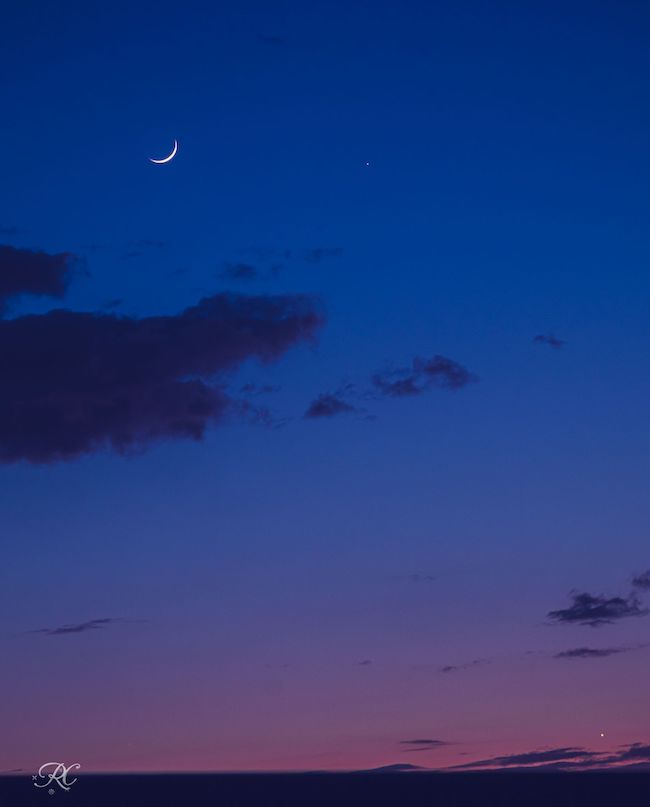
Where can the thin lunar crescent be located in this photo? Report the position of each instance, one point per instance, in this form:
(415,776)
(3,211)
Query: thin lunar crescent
(167,159)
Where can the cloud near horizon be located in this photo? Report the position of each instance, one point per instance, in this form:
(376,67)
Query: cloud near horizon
(80,627)
(98,380)
(597,610)
(591,652)
(532,758)
(567,758)
(25,272)
(423,744)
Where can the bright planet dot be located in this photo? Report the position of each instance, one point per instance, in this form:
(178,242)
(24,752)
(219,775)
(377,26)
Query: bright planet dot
(602,733)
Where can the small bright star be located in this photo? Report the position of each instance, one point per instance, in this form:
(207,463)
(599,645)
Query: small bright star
(602,733)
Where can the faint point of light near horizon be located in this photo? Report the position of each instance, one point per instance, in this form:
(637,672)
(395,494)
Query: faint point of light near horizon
(602,733)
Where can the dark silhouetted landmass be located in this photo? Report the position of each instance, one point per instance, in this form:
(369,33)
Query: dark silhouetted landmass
(364,789)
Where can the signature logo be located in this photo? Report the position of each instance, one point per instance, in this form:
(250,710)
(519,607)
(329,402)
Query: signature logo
(56,772)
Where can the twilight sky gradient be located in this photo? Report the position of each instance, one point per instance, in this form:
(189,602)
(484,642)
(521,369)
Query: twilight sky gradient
(329,438)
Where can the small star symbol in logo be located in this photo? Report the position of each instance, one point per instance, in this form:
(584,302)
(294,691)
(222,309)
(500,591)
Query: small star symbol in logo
(51,791)
(34,777)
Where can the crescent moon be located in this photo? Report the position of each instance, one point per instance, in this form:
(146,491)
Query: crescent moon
(169,157)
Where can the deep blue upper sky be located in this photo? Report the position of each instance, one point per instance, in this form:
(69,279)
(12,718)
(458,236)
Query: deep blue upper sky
(480,174)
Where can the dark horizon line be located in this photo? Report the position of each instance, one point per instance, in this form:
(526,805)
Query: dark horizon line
(387,770)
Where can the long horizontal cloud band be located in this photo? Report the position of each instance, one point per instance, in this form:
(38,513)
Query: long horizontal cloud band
(76,382)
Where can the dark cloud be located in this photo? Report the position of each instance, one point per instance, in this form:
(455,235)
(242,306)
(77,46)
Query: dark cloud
(478,662)
(398,388)
(423,744)
(532,758)
(590,652)
(597,610)
(422,375)
(4,230)
(81,627)
(642,581)
(568,759)
(77,382)
(24,272)
(365,663)
(327,405)
(634,753)
(550,340)
(239,271)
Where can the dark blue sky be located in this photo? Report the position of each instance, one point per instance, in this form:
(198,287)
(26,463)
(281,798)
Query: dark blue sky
(444,178)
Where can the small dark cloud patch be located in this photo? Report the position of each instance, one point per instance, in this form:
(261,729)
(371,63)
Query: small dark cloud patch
(397,387)
(451,668)
(9,231)
(422,375)
(239,271)
(80,627)
(365,663)
(423,744)
(642,581)
(590,652)
(550,340)
(327,406)
(587,609)
(98,380)
(24,272)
